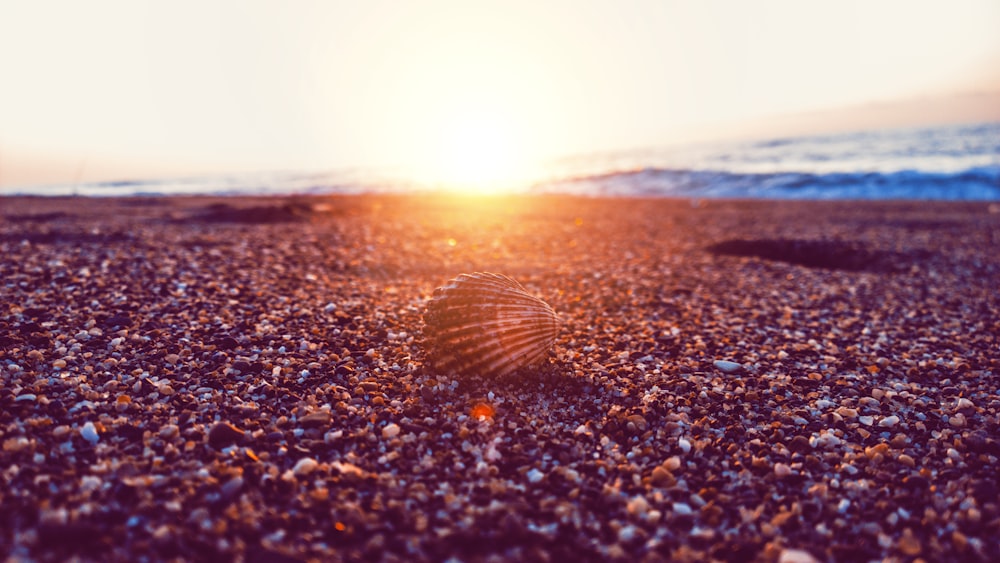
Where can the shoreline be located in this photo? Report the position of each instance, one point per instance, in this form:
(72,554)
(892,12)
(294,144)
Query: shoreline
(244,377)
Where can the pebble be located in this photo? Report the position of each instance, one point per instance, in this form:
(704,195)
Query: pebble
(727,366)
(628,533)
(825,440)
(232,487)
(534,475)
(390,430)
(684,445)
(682,509)
(847,412)
(90,483)
(796,556)
(637,505)
(89,433)
(315,419)
(964,403)
(909,543)
(662,477)
(169,431)
(224,434)
(672,463)
(16,444)
(348,469)
(305,466)
(800,444)
(889,421)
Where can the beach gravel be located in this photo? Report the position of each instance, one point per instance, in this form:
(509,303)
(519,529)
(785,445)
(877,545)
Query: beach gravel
(245,379)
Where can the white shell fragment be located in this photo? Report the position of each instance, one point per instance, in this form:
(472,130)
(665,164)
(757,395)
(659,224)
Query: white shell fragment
(487,324)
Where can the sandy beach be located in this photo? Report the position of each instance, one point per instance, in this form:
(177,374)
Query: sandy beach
(245,379)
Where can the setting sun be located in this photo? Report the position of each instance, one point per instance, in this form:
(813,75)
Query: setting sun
(474,151)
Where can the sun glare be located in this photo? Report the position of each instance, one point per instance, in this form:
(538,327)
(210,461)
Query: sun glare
(461,108)
(474,152)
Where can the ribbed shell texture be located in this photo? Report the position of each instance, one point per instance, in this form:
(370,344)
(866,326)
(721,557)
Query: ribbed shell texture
(487,324)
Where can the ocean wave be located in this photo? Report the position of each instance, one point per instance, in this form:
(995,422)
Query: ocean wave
(978,183)
(940,163)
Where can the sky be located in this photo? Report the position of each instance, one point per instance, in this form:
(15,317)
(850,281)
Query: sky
(456,91)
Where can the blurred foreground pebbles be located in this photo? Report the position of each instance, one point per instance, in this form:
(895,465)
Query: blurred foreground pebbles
(254,386)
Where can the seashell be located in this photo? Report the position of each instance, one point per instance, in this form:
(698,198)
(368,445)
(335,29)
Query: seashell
(487,324)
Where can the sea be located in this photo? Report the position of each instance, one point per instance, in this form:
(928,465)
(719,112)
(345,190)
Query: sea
(958,162)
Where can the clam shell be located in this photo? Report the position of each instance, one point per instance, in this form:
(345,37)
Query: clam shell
(487,324)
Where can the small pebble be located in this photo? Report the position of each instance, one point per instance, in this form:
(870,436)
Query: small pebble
(825,440)
(661,476)
(684,445)
(909,543)
(305,466)
(89,433)
(796,556)
(169,431)
(627,533)
(224,434)
(889,421)
(90,483)
(391,430)
(232,487)
(682,509)
(16,444)
(727,367)
(315,419)
(637,505)
(672,463)
(847,412)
